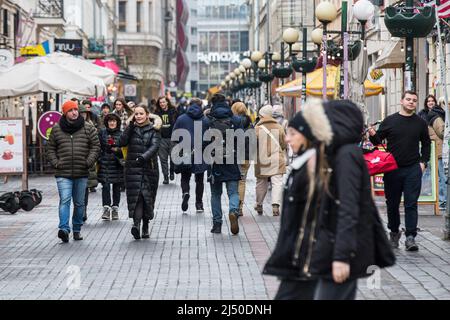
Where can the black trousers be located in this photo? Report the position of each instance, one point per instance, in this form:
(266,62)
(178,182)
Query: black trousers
(330,290)
(296,290)
(406,181)
(106,194)
(199,185)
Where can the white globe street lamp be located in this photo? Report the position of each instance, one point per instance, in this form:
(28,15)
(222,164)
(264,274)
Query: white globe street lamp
(363,10)
(262,64)
(291,35)
(246,63)
(296,47)
(326,12)
(256,56)
(276,57)
(317,36)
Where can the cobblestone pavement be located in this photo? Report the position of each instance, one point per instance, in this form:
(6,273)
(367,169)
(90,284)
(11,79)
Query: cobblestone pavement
(181,260)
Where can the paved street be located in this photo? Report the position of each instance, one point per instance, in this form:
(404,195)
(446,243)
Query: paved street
(182,259)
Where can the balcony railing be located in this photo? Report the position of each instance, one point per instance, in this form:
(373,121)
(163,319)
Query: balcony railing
(97,45)
(50,9)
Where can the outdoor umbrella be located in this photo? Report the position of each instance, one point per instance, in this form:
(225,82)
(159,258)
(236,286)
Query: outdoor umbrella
(77,65)
(46,76)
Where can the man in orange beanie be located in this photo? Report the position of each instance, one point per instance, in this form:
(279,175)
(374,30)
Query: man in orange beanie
(73,147)
(69,106)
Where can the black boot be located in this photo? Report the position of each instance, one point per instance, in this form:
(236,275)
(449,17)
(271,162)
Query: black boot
(166,180)
(77,236)
(217,228)
(199,207)
(145,234)
(135,229)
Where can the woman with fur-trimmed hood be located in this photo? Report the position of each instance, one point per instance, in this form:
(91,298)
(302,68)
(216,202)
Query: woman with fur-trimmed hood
(308,133)
(350,239)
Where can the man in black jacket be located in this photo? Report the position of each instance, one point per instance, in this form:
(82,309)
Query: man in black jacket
(404,131)
(73,148)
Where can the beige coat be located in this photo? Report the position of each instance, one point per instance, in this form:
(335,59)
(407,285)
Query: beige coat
(436,133)
(271,156)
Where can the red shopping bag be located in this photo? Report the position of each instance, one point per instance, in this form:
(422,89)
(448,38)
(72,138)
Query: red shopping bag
(378,161)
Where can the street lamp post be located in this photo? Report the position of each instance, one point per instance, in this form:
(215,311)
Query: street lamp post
(409,22)
(305,65)
(256,57)
(326,12)
(265,75)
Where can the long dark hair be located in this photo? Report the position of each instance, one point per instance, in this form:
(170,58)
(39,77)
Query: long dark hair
(158,106)
(425,104)
(125,105)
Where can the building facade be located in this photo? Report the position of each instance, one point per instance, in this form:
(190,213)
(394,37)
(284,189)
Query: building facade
(222,29)
(146,43)
(93,22)
(191,86)
(268,20)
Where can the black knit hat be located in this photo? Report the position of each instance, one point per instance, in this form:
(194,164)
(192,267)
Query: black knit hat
(111,116)
(299,123)
(312,122)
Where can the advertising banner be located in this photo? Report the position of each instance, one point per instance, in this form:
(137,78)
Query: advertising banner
(12,149)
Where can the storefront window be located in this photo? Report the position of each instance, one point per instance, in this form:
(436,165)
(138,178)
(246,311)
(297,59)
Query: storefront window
(234,41)
(244,41)
(203,41)
(223,41)
(203,72)
(215,72)
(224,69)
(213,42)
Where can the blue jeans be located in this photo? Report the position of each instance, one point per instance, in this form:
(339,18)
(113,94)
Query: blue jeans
(216,195)
(442,184)
(68,189)
(406,180)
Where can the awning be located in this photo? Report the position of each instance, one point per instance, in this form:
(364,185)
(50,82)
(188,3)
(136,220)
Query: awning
(127,76)
(314,84)
(391,56)
(314,81)
(110,64)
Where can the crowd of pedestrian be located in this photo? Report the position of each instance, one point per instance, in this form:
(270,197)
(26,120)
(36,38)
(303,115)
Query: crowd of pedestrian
(312,164)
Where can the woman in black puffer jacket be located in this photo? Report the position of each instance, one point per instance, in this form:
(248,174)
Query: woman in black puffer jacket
(110,168)
(141,169)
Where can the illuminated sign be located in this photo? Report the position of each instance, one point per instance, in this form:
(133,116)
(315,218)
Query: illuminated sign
(209,57)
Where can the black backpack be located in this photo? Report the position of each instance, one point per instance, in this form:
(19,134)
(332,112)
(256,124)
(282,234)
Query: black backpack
(222,125)
(37,196)
(9,202)
(26,200)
